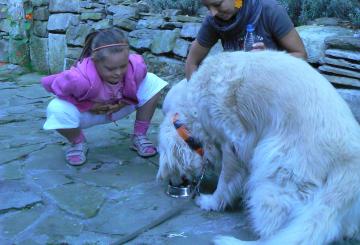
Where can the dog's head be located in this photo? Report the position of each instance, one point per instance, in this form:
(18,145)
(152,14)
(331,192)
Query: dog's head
(178,162)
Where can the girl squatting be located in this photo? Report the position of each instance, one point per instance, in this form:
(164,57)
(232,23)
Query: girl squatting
(106,84)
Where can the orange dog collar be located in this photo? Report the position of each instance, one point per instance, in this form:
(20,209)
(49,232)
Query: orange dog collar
(184,133)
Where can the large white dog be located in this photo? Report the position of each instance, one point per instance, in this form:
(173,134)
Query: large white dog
(288,145)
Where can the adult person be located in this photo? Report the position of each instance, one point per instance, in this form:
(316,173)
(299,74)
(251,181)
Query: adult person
(227,22)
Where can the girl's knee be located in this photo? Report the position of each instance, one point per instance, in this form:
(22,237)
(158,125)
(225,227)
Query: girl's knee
(61,114)
(58,106)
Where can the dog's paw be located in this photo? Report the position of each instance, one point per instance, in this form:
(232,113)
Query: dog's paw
(228,240)
(208,202)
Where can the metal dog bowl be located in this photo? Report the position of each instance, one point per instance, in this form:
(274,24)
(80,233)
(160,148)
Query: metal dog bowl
(179,191)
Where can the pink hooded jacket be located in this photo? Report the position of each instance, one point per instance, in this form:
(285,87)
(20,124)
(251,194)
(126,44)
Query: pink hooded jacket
(81,83)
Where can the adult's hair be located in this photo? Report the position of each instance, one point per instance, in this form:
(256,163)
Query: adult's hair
(101,38)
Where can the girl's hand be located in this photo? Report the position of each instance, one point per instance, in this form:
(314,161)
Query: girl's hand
(259,46)
(116,107)
(99,108)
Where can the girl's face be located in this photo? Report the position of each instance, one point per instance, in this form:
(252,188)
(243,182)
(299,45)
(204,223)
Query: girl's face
(113,66)
(222,9)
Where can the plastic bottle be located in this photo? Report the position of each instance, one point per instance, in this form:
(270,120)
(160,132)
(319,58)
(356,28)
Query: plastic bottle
(249,38)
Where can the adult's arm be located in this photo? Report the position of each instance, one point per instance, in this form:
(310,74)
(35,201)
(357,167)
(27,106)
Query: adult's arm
(293,44)
(196,55)
(282,28)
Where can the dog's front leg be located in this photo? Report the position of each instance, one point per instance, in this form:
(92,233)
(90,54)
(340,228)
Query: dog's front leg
(230,184)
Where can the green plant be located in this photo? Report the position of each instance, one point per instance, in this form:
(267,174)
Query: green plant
(355,17)
(293,8)
(301,11)
(189,7)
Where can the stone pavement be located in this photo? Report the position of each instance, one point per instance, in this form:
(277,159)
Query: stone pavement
(45,201)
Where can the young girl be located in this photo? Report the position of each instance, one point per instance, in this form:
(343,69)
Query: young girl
(105,85)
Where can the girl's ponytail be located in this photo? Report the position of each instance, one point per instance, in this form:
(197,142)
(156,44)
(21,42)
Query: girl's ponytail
(86,52)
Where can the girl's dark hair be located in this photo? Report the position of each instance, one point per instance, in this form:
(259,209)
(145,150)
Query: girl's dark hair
(100,38)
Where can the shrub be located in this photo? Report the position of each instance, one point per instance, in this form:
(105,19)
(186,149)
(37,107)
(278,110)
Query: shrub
(355,17)
(301,11)
(189,7)
(293,8)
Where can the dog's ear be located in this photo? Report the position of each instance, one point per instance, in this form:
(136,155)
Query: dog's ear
(163,171)
(168,171)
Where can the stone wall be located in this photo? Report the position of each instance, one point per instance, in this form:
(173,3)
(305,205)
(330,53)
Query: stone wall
(341,66)
(59,29)
(50,35)
(335,52)
(15,27)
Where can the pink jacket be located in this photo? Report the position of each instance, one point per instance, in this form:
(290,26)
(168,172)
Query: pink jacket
(81,83)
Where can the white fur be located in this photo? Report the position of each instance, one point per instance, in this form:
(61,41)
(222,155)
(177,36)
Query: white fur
(288,145)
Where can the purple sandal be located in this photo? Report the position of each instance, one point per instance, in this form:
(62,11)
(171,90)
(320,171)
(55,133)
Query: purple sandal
(75,155)
(143,146)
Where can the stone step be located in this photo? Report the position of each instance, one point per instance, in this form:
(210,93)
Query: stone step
(343,42)
(339,71)
(343,80)
(341,63)
(352,97)
(345,54)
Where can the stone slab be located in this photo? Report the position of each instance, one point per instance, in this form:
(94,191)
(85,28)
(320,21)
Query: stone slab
(12,171)
(57,226)
(78,199)
(4,50)
(343,80)
(40,28)
(181,47)
(61,22)
(341,63)
(60,6)
(343,42)
(190,30)
(16,222)
(352,97)
(39,54)
(339,71)
(24,197)
(57,51)
(314,39)
(164,41)
(345,54)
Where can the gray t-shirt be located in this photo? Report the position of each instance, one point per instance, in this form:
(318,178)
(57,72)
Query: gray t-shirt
(273,24)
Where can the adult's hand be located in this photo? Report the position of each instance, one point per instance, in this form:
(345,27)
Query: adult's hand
(259,46)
